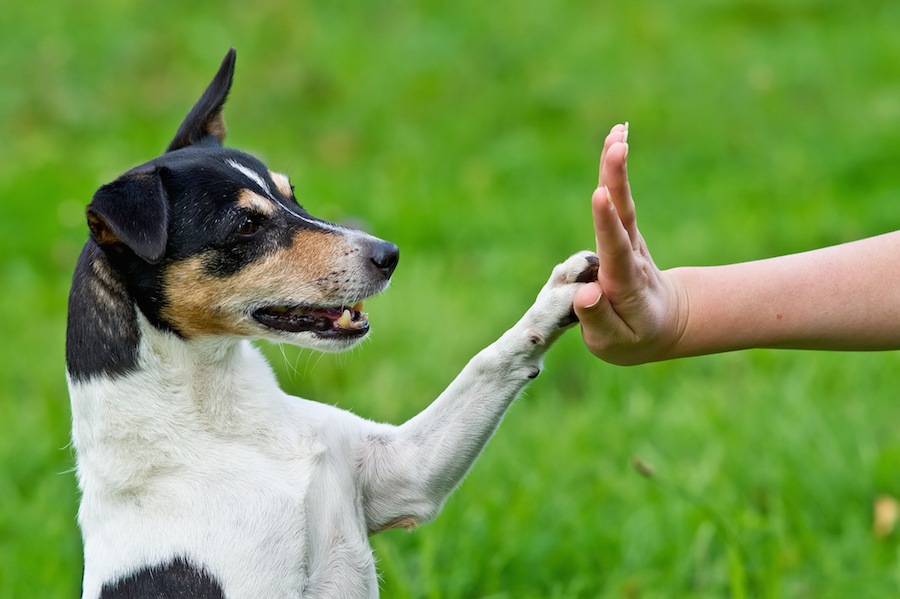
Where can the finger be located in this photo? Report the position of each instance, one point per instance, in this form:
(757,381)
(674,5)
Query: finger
(614,247)
(615,176)
(616,134)
(593,308)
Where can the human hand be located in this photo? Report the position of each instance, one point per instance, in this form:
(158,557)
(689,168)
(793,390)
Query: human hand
(632,314)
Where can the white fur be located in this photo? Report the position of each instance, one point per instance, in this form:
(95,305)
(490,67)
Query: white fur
(252,175)
(199,454)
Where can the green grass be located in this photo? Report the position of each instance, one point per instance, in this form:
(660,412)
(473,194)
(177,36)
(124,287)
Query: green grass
(468,134)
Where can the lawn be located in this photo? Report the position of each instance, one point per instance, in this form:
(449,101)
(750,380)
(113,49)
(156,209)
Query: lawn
(468,134)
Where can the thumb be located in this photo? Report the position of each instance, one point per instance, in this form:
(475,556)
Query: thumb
(591,306)
(600,325)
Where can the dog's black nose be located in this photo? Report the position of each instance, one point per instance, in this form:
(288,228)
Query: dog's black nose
(385,256)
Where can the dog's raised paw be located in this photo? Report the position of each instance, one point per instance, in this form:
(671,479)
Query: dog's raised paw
(581,267)
(554,304)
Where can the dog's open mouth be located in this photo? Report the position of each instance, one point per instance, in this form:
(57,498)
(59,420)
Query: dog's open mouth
(341,321)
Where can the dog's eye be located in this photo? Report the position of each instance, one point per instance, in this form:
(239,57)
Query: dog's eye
(248,226)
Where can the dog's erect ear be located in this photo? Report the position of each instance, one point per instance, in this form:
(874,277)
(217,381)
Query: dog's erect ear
(132,211)
(204,122)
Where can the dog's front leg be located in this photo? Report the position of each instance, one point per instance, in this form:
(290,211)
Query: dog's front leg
(407,472)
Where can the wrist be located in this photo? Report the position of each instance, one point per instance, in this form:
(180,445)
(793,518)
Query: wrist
(679,316)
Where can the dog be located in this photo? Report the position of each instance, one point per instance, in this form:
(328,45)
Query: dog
(199,476)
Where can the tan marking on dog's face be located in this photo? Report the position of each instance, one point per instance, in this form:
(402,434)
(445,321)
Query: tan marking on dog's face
(255,203)
(317,269)
(282,184)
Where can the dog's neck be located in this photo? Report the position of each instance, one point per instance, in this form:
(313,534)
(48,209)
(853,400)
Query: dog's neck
(140,395)
(113,352)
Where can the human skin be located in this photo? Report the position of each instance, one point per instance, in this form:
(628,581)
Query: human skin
(844,297)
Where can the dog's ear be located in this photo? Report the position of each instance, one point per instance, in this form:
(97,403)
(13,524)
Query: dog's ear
(132,211)
(204,122)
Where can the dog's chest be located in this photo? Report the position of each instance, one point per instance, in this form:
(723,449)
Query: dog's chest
(259,527)
(241,516)
(264,508)
(219,466)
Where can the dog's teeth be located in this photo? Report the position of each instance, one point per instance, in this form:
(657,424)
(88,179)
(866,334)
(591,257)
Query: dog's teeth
(358,306)
(345,319)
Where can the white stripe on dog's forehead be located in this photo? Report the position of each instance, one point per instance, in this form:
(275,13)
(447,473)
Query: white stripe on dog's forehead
(252,175)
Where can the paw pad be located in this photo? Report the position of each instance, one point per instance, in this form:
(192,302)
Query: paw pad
(589,274)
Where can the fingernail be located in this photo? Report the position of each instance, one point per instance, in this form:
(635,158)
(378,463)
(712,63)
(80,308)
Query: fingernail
(625,134)
(596,301)
(609,202)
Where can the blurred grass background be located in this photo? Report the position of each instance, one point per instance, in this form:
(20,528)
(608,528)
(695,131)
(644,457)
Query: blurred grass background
(468,133)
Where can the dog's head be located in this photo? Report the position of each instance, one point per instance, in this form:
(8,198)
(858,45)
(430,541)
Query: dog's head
(208,241)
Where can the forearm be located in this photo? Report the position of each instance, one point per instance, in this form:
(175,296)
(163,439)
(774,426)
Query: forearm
(407,472)
(839,298)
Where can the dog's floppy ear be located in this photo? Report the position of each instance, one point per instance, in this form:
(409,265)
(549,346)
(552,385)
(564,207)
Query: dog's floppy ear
(132,211)
(204,122)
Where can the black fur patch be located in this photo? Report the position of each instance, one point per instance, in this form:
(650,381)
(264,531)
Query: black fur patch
(102,332)
(179,579)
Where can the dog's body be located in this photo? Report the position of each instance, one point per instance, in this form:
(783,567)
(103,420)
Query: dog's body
(200,477)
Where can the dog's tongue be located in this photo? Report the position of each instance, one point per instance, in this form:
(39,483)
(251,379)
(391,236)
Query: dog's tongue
(331,313)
